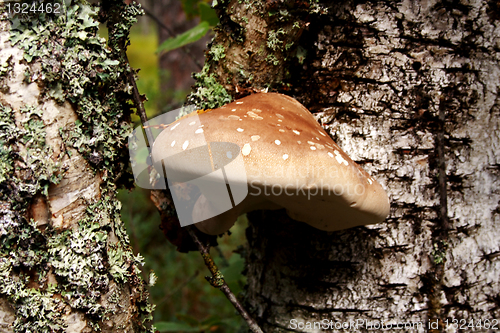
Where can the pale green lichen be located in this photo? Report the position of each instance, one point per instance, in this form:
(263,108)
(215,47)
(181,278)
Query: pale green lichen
(271,58)
(301,54)
(273,39)
(438,252)
(8,134)
(37,310)
(217,52)
(209,93)
(23,249)
(75,65)
(4,67)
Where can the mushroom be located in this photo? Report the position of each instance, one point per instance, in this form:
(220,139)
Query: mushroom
(264,151)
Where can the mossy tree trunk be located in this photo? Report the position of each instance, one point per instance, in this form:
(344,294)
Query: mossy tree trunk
(65,260)
(409,89)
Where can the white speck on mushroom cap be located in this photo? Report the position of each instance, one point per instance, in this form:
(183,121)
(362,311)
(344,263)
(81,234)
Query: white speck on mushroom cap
(199,130)
(339,158)
(255,137)
(312,148)
(173,127)
(279,116)
(239,102)
(233,117)
(296,132)
(185,145)
(172,144)
(277,142)
(310,142)
(246,149)
(330,154)
(240,129)
(281,130)
(285,157)
(233,110)
(254,115)
(192,123)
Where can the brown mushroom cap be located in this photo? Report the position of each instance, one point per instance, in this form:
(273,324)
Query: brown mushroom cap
(288,161)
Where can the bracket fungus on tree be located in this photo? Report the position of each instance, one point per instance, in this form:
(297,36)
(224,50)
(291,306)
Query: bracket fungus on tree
(268,152)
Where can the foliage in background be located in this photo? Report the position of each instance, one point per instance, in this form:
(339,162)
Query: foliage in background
(185,301)
(182,295)
(208,20)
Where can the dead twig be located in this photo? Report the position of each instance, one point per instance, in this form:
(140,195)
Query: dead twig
(217,279)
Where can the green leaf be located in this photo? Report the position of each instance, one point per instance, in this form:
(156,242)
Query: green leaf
(208,14)
(170,326)
(190,36)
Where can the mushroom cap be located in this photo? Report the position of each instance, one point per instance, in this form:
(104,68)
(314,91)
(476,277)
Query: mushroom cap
(271,146)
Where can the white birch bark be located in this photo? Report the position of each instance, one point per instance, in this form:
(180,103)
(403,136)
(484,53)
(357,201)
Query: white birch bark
(65,261)
(409,89)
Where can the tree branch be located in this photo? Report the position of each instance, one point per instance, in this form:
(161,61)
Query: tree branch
(217,279)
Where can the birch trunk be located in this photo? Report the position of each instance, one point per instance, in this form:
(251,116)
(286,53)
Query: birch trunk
(65,260)
(409,89)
